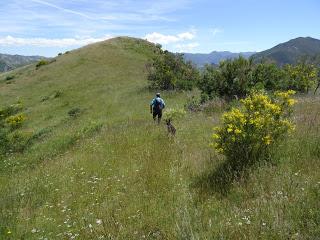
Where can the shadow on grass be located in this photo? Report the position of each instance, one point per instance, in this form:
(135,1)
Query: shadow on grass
(220,180)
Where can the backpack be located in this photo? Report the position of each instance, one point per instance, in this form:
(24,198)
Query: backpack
(158,104)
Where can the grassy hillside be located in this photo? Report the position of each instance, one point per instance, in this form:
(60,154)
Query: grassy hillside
(107,172)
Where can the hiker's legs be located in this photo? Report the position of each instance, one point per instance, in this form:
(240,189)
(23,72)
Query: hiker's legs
(159,116)
(154,115)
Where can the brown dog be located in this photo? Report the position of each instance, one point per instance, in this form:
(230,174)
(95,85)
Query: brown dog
(170,127)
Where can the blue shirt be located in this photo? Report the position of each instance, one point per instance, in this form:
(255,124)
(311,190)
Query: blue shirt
(158,99)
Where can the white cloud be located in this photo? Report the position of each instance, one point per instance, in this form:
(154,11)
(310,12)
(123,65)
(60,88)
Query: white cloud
(45,42)
(189,47)
(215,31)
(156,37)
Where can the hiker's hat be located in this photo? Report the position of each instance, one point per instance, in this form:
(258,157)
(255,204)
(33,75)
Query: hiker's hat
(158,94)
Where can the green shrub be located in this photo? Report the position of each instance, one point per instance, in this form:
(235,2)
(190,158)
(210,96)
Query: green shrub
(57,94)
(42,63)
(10,139)
(10,110)
(10,77)
(249,132)
(238,77)
(74,112)
(302,77)
(174,114)
(193,104)
(92,128)
(19,141)
(14,122)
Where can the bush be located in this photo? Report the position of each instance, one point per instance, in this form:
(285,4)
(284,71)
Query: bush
(42,63)
(249,132)
(15,121)
(10,77)
(301,77)
(238,77)
(10,139)
(10,110)
(174,114)
(232,78)
(74,112)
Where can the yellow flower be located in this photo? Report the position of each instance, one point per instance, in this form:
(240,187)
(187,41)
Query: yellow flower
(237,131)
(267,140)
(291,102)
(220,150)
(216,136)
(229,130)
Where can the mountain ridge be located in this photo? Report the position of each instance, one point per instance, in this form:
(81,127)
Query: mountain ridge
(290,52)
(214,57)
(10,62)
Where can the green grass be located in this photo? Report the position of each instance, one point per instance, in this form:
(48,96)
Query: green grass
(109,162)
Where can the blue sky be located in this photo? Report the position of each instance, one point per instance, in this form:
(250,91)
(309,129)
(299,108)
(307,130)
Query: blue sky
(47,27)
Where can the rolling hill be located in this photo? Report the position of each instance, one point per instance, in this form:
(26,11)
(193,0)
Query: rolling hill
(201,59)
(290,52)
(10,62)
(95,166)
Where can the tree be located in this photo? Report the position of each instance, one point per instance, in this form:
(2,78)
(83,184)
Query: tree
(269,76)
(169,71)
(233,78)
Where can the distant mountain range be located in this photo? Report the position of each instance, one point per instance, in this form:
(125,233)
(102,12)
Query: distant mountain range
(290,52)
(285,53)
(10,62)
(201,59)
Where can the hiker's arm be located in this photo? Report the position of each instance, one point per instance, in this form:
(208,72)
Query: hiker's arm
(151,105)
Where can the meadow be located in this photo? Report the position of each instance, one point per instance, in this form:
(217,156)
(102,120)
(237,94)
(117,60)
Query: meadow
(99,168)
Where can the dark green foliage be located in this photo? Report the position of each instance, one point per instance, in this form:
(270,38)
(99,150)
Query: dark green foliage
(59,54)
(46,98)
(236,78)
(74,112)
(233,78)
(10,77)
(169,71)
(57,94)
(268,76)
(9,111)
(42,63)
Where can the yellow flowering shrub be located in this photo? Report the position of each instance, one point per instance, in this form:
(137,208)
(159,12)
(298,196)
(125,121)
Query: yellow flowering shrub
(15,121)
(248,132)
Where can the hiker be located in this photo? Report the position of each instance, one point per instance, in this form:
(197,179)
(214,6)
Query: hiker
(156,106)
